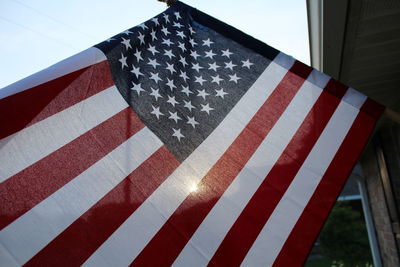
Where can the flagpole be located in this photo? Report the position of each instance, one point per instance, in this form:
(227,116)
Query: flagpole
(392,115)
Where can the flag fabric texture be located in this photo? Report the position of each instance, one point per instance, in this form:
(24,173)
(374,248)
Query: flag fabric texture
(181,141)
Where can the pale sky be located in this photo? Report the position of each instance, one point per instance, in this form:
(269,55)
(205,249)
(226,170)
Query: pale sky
(35,34)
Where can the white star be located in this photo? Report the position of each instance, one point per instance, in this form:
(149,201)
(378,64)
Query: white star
(152,49)
(188,105)
(172,101)
(170,67)
(138,55)
(168,53)
(167,42)
(166,17)
(180,34)
(206,108)
(196,67)
(216,79)
(155,20)
(183,75)
(183,61)
(202,93)
(182,46)
(229,65)
(207,42)
(226,53)
(137,88)
(153,62)
(165,31)
(141,38)
(234,78)
(153,35)
(136,71)
(155,93)
(210,54)
(126,42)
(171,84)
(191,30)
(110,39)
(178,25)
(192,121)
(185,90)
(123,61)
(194,54)
(174,116)
(200,80)
(247,63)
(213,66)
(127,32)
(155,77)
(143,26)
(192,42)
(220,93)
(177,134)
(177,15)
(156,111)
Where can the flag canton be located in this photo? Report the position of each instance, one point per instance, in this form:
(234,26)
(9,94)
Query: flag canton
(181,77)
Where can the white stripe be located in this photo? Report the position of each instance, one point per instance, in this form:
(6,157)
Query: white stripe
(35,229)
(129,240)
(33,143)
(207,238)
(354,98)
(6,259)
(275,232)
(84,59)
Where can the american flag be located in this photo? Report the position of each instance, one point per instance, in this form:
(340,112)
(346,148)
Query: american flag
(181,141)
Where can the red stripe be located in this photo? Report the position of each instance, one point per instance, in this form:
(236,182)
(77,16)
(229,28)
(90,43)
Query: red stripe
(373,108)
(303,235)
(260,207)
(301,69)
(27,188)
(36,104)
(81,239)
(168,242)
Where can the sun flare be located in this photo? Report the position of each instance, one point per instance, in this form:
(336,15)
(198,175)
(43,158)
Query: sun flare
(193,188)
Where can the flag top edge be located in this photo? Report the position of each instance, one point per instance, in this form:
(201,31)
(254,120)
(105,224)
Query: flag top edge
(228,31)
(76,62)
